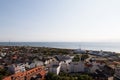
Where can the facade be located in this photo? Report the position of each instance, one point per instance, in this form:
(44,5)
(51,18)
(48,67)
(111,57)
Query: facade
(68,60)
(32,65)
(38,63)
(55,63)
(16,68)
(48,61)
(55,69)
(76,67)
(91,67)
(64,67)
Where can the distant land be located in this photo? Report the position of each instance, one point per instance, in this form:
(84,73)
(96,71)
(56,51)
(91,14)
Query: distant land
(106,46)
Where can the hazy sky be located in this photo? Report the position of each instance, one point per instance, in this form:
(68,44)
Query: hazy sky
(60,20)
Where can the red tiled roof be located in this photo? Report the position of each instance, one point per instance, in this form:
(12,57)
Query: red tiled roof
(37,70)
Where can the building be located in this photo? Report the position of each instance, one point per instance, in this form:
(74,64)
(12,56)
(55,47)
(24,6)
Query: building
(76,67)
(3,54)
(55,69)
(38,63)
(28,75)
(15,68)
(94,68)
(64,67)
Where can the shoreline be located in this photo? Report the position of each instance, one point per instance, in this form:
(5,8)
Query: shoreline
(105,46)
(62,48)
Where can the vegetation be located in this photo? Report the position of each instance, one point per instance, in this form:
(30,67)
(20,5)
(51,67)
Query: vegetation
(52,51)
(65,76)
(84,56)
(76,58)
(3,73)
(80,57)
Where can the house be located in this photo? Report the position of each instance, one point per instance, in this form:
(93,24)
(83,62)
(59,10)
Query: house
(15,68)
(3,54)
(65,58)
(38,63)
(47,61)
(32,65)
(91,67)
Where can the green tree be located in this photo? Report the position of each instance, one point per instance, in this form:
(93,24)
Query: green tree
(76,58)
(84,77)
(84,56)
(3,73)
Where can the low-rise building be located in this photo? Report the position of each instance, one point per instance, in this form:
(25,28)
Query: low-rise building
(64,67)
(55,69)
(3,54)
(38,63)
(32,65)
(76,67)
(15,68)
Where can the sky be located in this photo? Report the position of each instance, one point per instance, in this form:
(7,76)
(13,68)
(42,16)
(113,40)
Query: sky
(60,20)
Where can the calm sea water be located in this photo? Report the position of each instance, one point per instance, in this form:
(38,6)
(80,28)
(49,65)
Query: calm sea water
(115,47)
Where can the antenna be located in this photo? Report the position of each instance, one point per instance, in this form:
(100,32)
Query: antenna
(79,47)
(9,43)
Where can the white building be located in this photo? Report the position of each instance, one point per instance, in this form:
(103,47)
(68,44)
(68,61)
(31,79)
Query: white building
(32,65)
(3,54)
(48,61)
(0,57)
(27,65)
(76,66)
(16,68)
(55,69)
(64,67)
(54,62)
(38,63)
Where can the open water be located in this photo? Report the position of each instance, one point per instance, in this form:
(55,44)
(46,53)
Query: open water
(106,46)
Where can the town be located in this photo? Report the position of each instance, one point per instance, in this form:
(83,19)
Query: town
(44,63)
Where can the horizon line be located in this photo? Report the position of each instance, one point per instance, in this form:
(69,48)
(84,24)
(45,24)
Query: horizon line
(67,41)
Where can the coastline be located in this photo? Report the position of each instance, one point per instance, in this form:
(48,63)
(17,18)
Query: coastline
(78,50)
(97,46)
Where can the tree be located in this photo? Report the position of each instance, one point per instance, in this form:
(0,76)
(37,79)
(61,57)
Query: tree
(76,58)
(84,56)
(3,73)
(84,77)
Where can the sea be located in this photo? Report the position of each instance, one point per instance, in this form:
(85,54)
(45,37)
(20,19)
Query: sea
(105,46)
